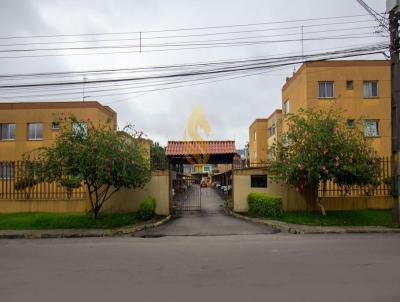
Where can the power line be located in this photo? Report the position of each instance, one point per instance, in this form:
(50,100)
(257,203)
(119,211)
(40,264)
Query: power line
(184,29)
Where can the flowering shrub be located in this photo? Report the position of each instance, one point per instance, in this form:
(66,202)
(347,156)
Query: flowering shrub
(99,157)
(320,147)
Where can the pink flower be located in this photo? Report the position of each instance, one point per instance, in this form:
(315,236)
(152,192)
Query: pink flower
(297,189)
(132,162)
(337,158)
(336,130)
(337,164)
(350,160)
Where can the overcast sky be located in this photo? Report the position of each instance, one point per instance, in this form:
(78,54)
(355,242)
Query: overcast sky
(230,106)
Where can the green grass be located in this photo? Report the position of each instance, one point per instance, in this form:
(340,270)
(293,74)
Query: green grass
(341,218)
(36,221)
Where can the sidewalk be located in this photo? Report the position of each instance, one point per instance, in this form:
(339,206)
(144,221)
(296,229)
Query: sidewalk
(79,233)
(306,229)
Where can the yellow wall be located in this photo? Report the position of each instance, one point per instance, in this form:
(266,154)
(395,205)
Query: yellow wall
(274,119)
(260,143)
(302,91)
(294,201)
(126,200)
(21,114)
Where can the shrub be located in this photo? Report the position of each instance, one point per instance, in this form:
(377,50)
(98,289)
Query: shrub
(262,205)
(24,183)
(147,208)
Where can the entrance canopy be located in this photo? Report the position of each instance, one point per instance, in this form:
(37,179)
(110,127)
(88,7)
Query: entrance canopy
(201,152)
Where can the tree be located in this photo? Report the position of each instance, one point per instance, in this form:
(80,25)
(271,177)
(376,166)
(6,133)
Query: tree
(319,147)
(98,157)
(157,154)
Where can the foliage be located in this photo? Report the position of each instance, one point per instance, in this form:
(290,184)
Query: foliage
(341,218)
(97,156)
(24,183)
(157,154)
(25,221)
(262,205)
(318,147)
(147,208)
(70,182)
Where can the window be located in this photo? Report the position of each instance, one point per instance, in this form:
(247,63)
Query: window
(55,126)
(259,181)
(350,123)
(7,170)
(206,169)
(7,131)
(349,85)
(79,128)
(286,107)
(35,131)
(255,155)
(371,128)
(255,135)
(325,89)
(370,89)
(271,130)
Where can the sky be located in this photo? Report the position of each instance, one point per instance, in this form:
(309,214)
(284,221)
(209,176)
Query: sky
(230,106)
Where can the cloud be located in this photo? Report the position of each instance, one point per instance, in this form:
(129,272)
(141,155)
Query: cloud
(230,106)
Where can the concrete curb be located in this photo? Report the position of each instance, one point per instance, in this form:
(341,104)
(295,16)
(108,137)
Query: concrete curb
(305,229)
(79,233)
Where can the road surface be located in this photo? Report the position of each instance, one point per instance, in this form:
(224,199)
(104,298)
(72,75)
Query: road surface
(258,267)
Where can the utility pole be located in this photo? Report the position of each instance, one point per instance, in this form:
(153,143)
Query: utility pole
(394,10)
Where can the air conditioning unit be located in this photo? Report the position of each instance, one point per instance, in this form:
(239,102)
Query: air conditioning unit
(392,4)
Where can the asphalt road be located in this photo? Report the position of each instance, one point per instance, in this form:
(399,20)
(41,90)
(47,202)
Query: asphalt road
(263,267)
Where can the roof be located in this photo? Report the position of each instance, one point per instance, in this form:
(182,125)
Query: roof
(57,105)
(336,63)
(182,148)
(258,120)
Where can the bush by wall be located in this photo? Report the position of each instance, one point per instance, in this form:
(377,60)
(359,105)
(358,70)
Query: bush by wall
(147,208)
(262,205)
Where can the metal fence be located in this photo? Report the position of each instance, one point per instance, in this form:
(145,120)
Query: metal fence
(22,180)
(382,188)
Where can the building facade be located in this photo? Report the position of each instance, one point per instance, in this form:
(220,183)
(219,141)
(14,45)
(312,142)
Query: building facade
(258,145)
(27,126)
(274,129)
(358,88)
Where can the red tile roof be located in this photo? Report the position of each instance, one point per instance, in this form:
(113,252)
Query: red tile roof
(179,148)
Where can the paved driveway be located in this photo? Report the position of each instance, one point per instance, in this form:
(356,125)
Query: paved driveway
(211,221)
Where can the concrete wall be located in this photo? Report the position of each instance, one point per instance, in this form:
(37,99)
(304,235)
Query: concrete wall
(126,200)
(293,200)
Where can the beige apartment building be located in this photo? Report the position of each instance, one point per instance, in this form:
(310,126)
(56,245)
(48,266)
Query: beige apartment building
(28,126)
(359,88)
(258,145)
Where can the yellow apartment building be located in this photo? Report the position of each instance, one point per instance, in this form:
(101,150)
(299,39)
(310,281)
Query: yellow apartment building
(258,146)
(28,126)
(360,88)
(274,128)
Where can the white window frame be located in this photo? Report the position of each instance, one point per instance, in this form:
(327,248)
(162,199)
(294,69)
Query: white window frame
(286,106)
(8,138)
(36,137)
(325,90)
(377,128)
(255,135)
(366,95)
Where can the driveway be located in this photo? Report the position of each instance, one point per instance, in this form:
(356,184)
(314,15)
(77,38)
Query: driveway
(211,221)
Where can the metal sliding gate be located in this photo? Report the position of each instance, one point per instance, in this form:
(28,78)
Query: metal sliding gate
(188,197)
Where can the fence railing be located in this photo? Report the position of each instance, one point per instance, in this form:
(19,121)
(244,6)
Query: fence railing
(22,180)
(382,187)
